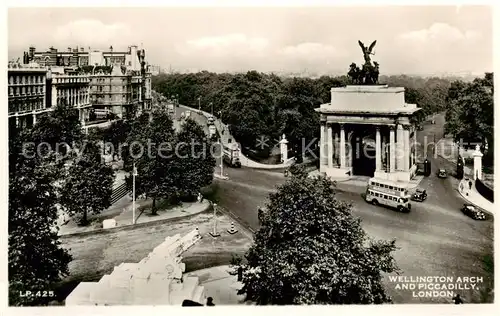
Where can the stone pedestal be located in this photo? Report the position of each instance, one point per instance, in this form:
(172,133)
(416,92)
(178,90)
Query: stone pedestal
(284,149)
(478,163)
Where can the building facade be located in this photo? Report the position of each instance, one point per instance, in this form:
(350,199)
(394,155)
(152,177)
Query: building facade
(107,90)
(368,130)
(117,92)
(73,90)
(26,94)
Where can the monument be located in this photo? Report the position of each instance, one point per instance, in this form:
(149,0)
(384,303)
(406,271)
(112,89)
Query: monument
(478,163)
(366,129)
(157,279)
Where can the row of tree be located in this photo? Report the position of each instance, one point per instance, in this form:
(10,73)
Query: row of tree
(170,165)
(273,105)
(469,113)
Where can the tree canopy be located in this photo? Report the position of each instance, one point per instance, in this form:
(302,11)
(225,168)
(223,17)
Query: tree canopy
(310,249)
(273,105)
(172,165)
(469,113)
(88,184)
(36,258)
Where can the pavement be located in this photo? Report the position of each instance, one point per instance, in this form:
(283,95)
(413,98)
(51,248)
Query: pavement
(362,181)
(474,197)
(122,213)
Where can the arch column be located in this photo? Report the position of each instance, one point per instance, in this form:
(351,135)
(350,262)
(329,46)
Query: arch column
(342,147)
(378,151)
(330,146)
(322,149)
(406,144)
(392,149)
(399,155)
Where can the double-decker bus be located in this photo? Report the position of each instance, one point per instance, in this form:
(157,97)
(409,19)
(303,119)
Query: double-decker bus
(391,200)
(231,154)
(388,186)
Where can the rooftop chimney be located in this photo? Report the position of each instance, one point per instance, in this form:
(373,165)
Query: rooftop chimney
(81,49)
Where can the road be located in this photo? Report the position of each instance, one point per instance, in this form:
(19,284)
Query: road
(435,239)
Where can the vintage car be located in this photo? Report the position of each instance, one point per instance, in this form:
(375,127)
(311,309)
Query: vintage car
(442,173)
(419,195)
(471,211)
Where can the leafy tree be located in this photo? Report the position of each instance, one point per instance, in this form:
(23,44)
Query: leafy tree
(88,184)
(470,112)
(310,249)
(60,126)
(116,134)
(156,161)
(36,258)
(195,164)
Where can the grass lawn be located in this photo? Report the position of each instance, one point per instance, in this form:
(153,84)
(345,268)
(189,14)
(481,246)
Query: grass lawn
(97,254)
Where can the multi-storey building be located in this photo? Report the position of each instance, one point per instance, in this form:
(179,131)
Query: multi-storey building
(72,90)
(117,92)
(27,94)
(132,60)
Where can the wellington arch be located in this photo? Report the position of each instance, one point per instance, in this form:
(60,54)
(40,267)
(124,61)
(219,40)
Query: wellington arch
(367,130)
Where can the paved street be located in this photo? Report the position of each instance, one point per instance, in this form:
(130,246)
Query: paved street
(434,239)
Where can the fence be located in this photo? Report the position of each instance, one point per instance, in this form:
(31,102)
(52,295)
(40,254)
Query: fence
(484,190)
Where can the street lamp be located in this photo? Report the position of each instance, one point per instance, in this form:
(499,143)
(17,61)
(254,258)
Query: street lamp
(215,233)
(212,105)
(221,159)
(134,174)
(199,103)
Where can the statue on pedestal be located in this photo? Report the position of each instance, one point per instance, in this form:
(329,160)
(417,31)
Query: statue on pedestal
(368,74)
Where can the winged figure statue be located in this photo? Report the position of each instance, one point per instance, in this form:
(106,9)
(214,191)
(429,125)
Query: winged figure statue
(367,51)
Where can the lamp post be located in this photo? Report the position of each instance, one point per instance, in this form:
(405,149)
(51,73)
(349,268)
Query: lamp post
(134,174)
(221,161)
(212,105)
(215,233)
(199,103)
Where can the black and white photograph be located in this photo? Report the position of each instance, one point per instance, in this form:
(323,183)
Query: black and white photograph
(246,156)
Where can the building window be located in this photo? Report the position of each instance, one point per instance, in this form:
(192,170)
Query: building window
(11,80)
(23,91)
(11,91)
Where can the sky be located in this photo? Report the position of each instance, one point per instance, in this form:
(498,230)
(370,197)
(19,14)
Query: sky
(422,40)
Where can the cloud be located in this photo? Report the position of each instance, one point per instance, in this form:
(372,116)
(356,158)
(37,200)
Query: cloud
(311,51)
(235,44)
(438,32)
(439,49)
(94,33)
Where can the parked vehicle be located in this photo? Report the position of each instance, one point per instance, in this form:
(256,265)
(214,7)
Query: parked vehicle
(442,173)
(471,211)
(420,195)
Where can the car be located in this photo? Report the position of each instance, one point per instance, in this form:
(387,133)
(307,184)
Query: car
(419,195)
(442,173)
(471,211)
